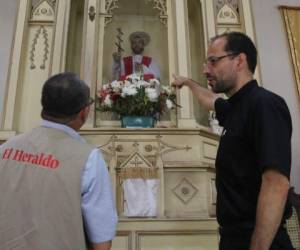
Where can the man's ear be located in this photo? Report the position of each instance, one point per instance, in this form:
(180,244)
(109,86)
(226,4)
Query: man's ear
(84,113)
(242,61)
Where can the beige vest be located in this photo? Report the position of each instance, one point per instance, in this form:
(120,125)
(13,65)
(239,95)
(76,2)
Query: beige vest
(40,197)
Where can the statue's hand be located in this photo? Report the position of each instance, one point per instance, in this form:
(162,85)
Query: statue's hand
(116,56)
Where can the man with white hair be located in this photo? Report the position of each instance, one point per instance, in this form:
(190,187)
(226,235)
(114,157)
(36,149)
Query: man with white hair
(137,62)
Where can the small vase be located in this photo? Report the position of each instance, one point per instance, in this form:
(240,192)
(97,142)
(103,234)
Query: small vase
(138,121)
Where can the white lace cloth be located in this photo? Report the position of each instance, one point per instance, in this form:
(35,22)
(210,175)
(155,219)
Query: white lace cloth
(140,197)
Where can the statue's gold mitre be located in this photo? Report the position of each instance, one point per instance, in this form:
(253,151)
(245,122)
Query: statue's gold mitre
(140,34)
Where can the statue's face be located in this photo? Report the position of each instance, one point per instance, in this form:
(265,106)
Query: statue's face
(137,45)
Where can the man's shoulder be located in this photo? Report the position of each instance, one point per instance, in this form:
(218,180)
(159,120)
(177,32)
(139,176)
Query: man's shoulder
(264,95)
(265,98)
(49,135)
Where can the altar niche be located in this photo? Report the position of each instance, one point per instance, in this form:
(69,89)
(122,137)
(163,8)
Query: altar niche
(98,28)
(129,17)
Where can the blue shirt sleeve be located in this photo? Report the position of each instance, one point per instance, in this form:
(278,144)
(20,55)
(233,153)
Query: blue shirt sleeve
(97,204)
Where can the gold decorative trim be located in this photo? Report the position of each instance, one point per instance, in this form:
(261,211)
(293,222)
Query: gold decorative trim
(293,43)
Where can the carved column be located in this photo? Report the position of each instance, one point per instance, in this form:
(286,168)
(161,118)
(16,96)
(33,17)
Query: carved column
(186,113)
(31,62)
(60,37)
(20,36)
(89,50)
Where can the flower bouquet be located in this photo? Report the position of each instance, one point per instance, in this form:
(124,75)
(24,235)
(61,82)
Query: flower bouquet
(135,96)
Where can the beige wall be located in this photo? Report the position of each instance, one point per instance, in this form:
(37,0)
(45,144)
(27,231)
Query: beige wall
(276,67)
(8,12)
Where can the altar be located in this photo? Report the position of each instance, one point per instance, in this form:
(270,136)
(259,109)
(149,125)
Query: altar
(163,177)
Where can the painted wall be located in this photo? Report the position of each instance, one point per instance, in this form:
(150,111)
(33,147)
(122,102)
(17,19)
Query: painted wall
(276,66)
(8,12)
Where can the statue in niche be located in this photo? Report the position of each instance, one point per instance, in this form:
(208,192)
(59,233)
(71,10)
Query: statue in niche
(136,63)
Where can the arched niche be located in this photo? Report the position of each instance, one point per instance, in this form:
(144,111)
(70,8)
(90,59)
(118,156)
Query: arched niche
(131,16)
(178,40)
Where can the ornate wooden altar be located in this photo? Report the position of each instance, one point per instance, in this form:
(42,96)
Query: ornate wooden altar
(79,35)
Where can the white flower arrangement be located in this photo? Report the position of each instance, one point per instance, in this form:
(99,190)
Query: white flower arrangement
(136,96)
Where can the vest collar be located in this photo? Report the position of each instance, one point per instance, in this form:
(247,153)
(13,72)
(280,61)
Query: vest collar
(71,132)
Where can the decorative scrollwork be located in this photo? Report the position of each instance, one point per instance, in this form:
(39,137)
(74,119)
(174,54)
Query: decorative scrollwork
(119,148)
(43,11)
(148,148)
(166,148)
(232,3)
(44,33)
(46,48)
(110,5)
(32,51)
(227,12)
(161,5)
(185,191)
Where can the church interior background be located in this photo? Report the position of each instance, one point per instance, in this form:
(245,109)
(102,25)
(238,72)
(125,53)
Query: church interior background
(51,36)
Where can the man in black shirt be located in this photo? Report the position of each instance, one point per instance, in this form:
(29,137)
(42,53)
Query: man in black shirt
(254,154)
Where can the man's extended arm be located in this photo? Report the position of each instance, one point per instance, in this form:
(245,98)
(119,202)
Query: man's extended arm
(205,96)
(270,207)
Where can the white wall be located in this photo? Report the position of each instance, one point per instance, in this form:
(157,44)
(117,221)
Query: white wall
(276,67)
(8,12)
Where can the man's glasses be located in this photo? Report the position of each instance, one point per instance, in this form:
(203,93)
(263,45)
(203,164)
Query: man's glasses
(212,60)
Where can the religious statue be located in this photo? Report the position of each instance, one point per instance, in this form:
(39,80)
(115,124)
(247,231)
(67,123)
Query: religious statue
(137,63)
